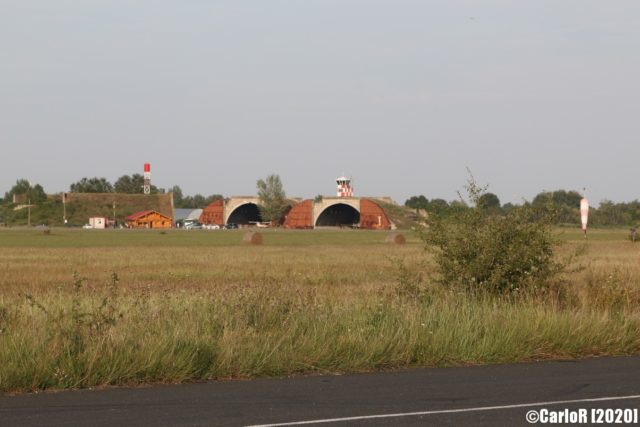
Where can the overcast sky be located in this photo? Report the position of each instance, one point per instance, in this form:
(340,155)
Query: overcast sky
(402,95)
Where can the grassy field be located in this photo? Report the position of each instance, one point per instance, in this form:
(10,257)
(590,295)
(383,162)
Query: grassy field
(186,305)
(75,237)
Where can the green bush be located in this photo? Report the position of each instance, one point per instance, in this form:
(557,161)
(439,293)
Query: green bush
(493,253)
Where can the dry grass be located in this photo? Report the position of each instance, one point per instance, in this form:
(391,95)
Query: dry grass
(202,305)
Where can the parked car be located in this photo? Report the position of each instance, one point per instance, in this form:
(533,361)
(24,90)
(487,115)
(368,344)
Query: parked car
(230,226)
(192,226)
(87,226)
(211,227)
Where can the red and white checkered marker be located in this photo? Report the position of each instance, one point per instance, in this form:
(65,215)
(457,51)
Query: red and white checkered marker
(344,187)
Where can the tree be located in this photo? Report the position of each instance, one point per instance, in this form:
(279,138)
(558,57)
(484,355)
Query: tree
(91,185)
(417,202)
(567,198)
(456,207)
(610,213)
(212,198)
(272,197)
(21,187)
(508,207)
(489,202)
(564,204)
(195,202)
(198,201)
(177,196)
(34,194)
(558,198)
(132,184)
(129,184)
(438,206)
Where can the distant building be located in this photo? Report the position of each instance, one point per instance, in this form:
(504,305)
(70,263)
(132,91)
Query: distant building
(148,219)
(98,222)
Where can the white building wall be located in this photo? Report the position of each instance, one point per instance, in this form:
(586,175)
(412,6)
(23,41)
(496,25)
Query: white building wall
(98,222)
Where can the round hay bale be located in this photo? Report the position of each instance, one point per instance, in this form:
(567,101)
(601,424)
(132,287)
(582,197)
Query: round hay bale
(396,239)
(252,238)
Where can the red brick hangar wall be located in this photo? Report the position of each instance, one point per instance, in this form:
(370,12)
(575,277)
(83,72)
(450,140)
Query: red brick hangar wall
(372,216)
(214,213)
(300,216)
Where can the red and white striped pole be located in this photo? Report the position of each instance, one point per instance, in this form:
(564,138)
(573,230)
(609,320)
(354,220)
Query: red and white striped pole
(147,178)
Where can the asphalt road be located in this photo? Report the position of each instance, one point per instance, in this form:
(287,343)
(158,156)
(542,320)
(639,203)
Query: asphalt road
(480,395)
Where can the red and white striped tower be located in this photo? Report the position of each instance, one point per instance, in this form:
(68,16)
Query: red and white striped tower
(147,178)
(344,187)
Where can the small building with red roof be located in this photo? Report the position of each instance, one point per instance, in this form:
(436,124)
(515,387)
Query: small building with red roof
(148,219)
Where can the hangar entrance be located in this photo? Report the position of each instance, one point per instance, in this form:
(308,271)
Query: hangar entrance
(338,215)
(245,214)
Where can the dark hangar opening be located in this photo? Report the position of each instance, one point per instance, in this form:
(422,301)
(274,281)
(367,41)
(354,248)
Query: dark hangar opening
(245,214)
(338,215)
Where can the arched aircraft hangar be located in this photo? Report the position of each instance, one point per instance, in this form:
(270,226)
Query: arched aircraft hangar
(338,215)
(353,212)
(356,212)
(241,210)
(344,210)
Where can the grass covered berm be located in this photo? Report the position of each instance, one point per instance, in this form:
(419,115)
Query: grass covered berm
(151,306)
(82,206)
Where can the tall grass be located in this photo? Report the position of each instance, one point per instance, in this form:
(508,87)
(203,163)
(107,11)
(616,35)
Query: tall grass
(179,313)
(258,330)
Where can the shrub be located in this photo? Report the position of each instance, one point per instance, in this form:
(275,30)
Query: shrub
(493,253)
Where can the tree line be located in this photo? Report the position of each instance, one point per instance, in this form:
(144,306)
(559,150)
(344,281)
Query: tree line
(126,184)
(270,191)
(565,205)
